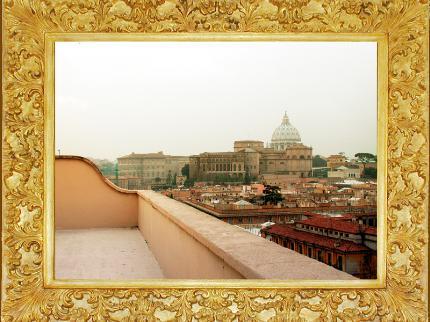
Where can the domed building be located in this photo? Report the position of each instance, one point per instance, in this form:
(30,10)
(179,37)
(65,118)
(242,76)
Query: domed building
(285,135)
(285,157)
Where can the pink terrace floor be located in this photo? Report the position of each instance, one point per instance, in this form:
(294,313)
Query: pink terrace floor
(111,253)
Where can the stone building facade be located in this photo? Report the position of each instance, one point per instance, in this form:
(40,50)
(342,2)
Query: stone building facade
(286,155)
(142,171)
(210,166)
(336,160)
(348,172)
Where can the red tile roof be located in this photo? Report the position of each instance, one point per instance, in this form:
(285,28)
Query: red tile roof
(357,215)
(310,238)
(335,223)
(370,230)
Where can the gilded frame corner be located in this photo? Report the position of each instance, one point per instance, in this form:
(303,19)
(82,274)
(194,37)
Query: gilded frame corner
(28,291)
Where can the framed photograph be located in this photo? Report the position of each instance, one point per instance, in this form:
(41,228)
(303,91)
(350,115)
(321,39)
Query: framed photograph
(215,160)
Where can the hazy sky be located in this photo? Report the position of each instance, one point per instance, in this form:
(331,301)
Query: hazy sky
(185,98)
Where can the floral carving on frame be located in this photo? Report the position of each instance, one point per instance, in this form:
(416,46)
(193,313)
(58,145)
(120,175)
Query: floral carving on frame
(25,23)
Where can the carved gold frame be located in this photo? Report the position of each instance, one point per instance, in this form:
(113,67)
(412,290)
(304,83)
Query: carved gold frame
(30,29)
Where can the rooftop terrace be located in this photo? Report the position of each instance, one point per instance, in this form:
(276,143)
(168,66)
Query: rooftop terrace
(104,253)
(106,232)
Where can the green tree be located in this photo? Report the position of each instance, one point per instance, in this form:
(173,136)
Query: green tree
(272,195)
(247,179)
(186,170)
(188,182)
(116,173)
(106,167)
(318,162)
(365,157)
(169,178)
(370,173)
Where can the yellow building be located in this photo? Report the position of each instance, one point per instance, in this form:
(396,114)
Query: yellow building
(142,171)
(336,160)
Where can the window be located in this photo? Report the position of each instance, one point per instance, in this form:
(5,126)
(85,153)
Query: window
(319,255)
(339,264)
(329,260)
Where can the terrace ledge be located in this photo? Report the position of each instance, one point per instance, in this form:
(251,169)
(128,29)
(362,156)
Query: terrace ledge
(251,256)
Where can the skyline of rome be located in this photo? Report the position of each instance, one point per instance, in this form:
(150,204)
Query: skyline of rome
(266,144)
(148,102)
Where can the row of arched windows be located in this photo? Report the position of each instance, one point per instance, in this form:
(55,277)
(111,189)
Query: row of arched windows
(312,252)
(222,167)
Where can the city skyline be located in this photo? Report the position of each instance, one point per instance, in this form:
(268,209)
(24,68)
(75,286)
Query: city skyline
(231,150)
(217,97)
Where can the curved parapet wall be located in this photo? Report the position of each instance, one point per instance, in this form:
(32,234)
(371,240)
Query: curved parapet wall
(86,199)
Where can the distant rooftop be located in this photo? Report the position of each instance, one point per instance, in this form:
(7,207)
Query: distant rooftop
(340,225)
(248,141)
(157,155)
(323,241)
(242,203)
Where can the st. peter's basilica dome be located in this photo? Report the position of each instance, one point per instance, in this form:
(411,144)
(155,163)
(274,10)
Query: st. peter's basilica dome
(285,135)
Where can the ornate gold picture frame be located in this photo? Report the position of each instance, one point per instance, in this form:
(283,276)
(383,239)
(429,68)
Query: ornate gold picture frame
(29,292)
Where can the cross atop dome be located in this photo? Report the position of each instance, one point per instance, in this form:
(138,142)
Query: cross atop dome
(285,119)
